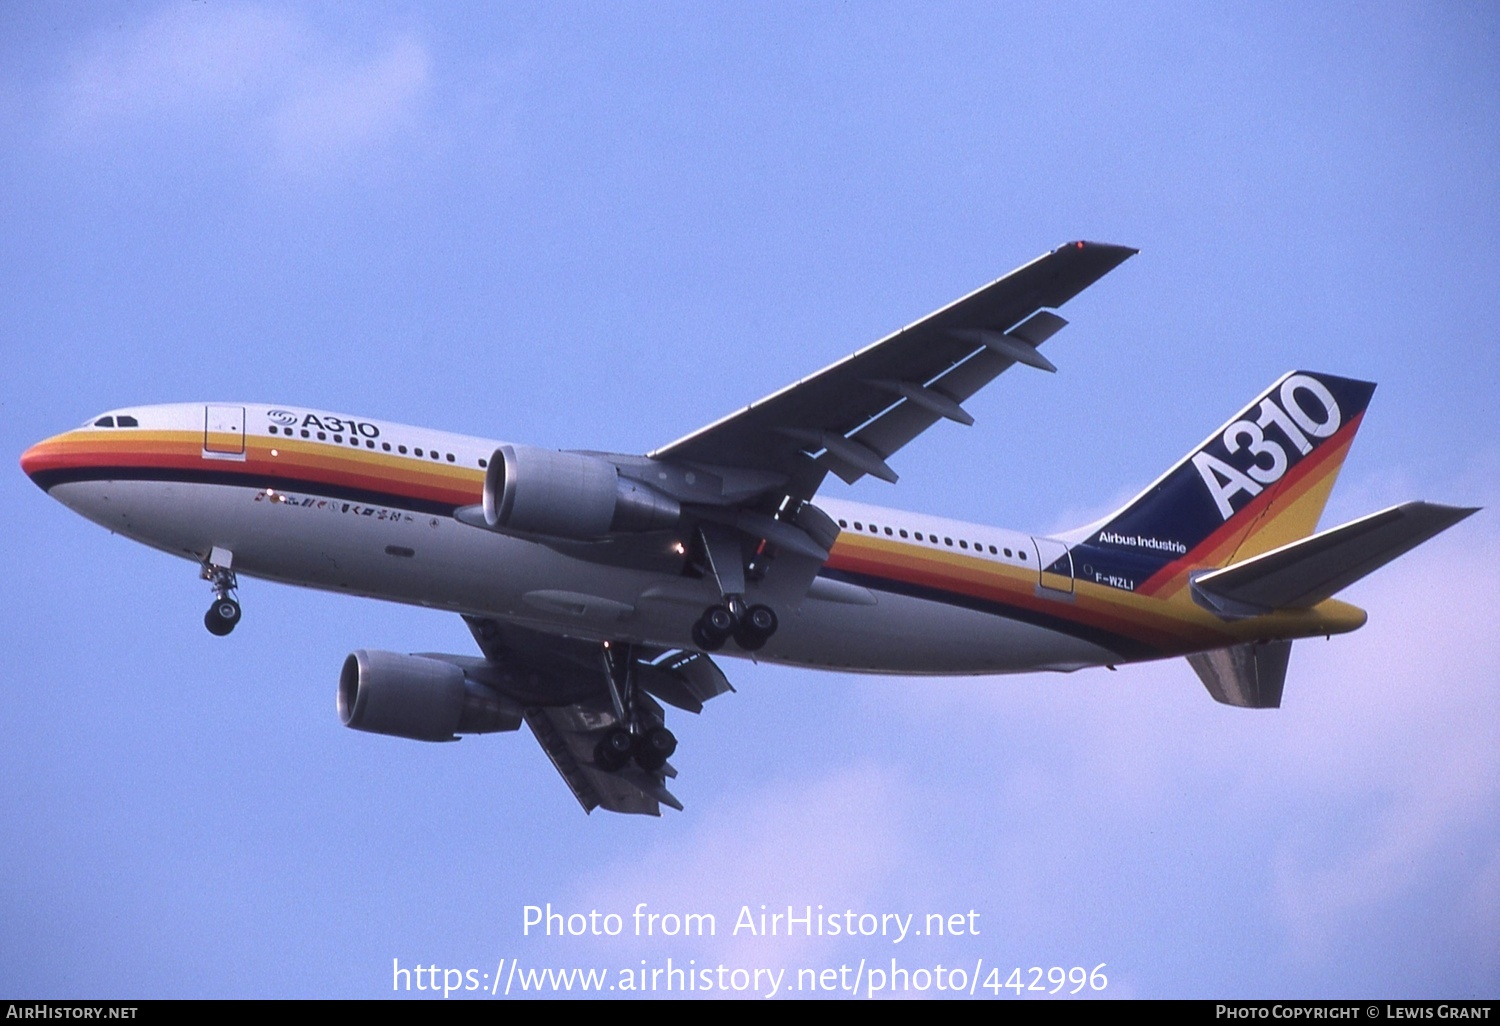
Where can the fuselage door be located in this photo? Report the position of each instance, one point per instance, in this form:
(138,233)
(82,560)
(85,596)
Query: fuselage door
(1056,566)
(224,432)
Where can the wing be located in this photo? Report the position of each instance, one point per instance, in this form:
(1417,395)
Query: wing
(850,417)
(562,686)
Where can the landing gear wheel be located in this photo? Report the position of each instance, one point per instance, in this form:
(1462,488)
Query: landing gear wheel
(714,628)
(719,620)
(613,750)
(704,641)
(756,628)
(222,616)
(654,748)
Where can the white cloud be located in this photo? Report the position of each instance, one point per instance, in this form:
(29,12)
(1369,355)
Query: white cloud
(1412,730)
(185,60)
(264,80)
(1369,805)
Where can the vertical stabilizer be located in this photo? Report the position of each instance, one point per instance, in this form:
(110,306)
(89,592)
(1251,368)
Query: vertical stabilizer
(1257,483)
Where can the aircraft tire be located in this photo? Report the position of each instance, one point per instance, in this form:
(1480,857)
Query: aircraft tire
(705,641)
(222,617)
(720,620)
(749,640)
(756,628)
(654,748)
(613,750)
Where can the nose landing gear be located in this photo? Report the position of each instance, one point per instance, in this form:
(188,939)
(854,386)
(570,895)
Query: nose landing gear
(225,612)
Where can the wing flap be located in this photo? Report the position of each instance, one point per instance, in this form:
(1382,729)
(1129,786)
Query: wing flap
(684,679)
(1305,572)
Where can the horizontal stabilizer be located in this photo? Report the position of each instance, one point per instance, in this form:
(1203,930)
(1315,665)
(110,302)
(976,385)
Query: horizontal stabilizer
(1249,675)
(1307,571)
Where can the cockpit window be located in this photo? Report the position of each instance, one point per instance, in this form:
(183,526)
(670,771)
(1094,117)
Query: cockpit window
(126,420)
(105,422)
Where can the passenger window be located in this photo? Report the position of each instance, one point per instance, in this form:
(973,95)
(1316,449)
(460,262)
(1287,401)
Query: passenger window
(948,542)
(841,523)
(322,437)
(304,432)
(339,439)
(450,457)
(903,532)
(887,530)
(484,463)
(401,449)
(386,446)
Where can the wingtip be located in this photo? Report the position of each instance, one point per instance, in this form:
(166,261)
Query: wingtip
(1125,252)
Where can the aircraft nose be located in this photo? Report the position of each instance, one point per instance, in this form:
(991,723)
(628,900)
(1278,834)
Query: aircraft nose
(39,459)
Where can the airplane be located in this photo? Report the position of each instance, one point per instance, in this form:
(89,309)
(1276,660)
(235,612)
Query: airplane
(597,584)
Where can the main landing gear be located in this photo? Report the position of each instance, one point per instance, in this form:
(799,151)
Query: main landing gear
(751,628)
(650,748)
(728,562)
(225,612)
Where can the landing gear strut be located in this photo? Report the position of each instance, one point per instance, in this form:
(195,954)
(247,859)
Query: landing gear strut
(225,612)
(649,748)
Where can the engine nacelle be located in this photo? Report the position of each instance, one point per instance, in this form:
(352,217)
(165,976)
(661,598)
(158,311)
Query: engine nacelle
(569,495)
(420,698)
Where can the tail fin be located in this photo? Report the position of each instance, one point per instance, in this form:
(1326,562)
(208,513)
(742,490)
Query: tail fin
(1257,483)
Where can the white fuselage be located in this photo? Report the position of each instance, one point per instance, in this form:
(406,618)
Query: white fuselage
(308,531)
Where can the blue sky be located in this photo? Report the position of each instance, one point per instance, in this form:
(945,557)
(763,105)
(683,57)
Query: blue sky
(605,225)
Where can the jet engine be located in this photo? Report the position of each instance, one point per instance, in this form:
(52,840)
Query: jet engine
(569,495)
(419,697)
